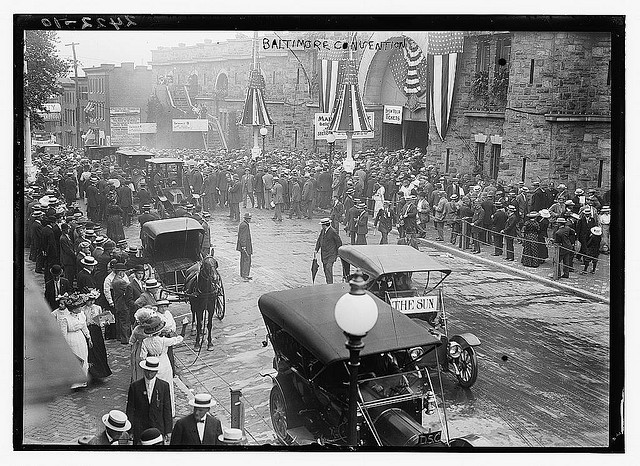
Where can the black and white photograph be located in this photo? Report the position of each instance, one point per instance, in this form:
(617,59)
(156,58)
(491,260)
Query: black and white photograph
(318,233)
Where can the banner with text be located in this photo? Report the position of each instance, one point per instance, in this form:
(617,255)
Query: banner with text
(415,304)
(181,125)
(142,128)
(120,119)
(392,114)
(321,123)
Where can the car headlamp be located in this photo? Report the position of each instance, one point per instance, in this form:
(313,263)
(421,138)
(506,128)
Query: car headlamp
(415,353)
(454,349)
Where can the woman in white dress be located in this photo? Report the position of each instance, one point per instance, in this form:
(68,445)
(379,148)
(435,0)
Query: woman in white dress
(156,345)
(73,324)
(378,198)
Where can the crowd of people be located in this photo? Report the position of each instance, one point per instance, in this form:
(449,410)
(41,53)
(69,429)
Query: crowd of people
(100,287)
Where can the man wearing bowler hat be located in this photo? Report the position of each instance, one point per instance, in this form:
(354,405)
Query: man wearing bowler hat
(328,243)
(245,247)
(200,427)
(55,287)
(149,401)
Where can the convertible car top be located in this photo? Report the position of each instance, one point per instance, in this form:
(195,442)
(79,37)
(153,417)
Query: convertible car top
(170,225)
(308,313)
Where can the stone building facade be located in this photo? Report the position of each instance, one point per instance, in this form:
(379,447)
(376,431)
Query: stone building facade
(69,110)
(526,105)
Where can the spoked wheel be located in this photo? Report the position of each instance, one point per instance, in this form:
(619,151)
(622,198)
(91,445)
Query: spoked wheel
(468,365)
(220,304)
(278,410)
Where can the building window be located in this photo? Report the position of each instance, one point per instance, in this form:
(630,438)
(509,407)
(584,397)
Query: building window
(503,53)
(531,70)
(600,173)
(83,93)
(524,169)
(496,149)
(482,59)
(480,157)
(446,161)
(273,80)
(295,137)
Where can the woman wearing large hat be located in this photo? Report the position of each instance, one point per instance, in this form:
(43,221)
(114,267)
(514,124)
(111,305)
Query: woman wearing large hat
(156,345)
(73,324)
(530,242)
(142,318)
(98,364)
(543,228)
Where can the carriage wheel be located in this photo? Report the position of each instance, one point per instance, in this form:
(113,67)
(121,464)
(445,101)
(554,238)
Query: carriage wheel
(220,305)
(278,411)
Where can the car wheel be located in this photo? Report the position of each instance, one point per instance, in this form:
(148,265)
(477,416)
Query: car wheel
(278,410)
(468,365)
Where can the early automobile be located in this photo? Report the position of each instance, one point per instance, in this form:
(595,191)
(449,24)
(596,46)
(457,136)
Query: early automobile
(101,153)
(397,401)
(49,148)
(410,281)
(164,176)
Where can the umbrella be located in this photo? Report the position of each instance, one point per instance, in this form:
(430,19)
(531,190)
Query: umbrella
(314,268)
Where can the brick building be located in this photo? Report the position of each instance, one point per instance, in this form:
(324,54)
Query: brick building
(526,105)
(69,110)
(117,95)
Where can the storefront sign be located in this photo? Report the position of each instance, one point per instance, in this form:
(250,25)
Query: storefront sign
(120,119)
(142,128)
(321,123)
(392,114)
(415,304)
(184,125)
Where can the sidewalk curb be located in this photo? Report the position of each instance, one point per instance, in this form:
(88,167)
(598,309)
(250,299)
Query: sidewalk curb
(533,276)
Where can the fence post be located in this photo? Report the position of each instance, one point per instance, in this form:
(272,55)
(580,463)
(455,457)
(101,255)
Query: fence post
(237,410)
(555,259)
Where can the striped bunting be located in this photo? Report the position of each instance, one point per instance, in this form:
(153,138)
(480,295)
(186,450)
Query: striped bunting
(255,110)
(348,113)
(332,64)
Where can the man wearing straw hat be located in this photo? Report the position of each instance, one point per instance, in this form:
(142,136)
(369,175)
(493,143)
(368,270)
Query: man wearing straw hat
(151,437)
(328,243)
(116,425)
(199,427)
(149,401)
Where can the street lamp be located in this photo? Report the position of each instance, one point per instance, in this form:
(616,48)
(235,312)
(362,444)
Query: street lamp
(356,313)
(331,140)
(263,133)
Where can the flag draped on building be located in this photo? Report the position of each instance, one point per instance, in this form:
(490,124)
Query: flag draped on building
(255,110)
(409,69)
(332,65)
(442,58)
(348,114)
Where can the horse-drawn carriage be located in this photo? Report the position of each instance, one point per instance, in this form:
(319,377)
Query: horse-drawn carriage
(173,247)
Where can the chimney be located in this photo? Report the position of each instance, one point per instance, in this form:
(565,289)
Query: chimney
(127,66)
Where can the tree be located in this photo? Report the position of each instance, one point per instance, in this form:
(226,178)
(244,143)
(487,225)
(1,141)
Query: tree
(44,69)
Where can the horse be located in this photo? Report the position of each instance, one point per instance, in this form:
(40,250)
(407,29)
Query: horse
(204,288)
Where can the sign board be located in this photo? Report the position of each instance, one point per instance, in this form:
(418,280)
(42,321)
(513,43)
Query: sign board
(255,153)
(120,118)
(415,304)
(182,125)
(392,114)
(321,123)
(142,128)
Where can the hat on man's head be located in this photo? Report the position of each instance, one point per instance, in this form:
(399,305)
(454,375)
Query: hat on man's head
(325,221)
(597,231)
(512,207)
(569,202)
(231,435)
(150,363)
(202,400)
(121,243)
(561,220)
(544,213)
(497,205)
(55,270)
(151,283)
(116,420)
(151,436)
(99,241)
(37,214)
(533,214)
(84,244)
(119,267)
(579,192)
(247,215)
(163,302)
(132,249)
(605,208)
(146,207)
(109,245)
(88,261)
(139,268)
(454,197)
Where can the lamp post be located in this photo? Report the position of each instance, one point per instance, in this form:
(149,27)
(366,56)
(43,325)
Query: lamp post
(331,140)
(356,313)
(263,133)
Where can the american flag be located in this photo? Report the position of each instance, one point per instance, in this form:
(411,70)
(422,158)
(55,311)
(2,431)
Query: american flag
(348,113)
(409,69)
(442,58)
(255,110)
(332,66)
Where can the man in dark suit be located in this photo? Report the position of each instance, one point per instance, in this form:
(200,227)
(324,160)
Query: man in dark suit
(328,243)
(499,219)
(351,218)
(67,254)
(50,248)
(85,275)
(116,426)
(55,287)
(565,237)
(200,427)
(149,401)
(510,230)
(245,246)
(125,201)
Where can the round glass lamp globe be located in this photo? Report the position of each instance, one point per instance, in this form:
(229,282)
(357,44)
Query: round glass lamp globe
(331,138)
(263,131)
(356,314)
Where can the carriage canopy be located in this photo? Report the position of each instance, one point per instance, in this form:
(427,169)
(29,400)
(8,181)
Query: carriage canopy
(172,238)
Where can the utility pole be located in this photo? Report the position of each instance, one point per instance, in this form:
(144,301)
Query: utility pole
(75,71)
